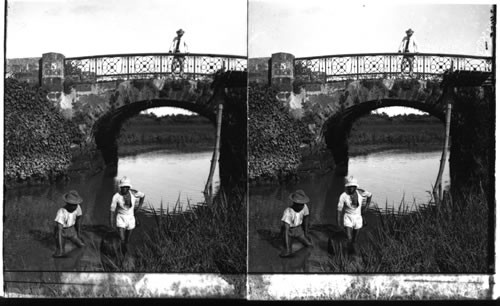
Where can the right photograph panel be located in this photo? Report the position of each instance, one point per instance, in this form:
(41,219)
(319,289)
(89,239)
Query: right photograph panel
(371,138)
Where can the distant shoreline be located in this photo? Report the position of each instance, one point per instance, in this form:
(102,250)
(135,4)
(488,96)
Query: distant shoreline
(131,150)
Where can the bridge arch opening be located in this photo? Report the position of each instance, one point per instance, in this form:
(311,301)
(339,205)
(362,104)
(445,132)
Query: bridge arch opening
(107,129)
(168,156)
(337,129)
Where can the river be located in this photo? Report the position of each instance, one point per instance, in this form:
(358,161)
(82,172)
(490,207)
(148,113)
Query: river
(165,177)
(396,178)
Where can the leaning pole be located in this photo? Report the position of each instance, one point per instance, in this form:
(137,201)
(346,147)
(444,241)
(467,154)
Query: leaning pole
(215,156)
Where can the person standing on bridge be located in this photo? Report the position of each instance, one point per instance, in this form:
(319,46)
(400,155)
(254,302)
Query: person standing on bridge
(295,222)
(351,207)
(178,46)
(125,202)
(68,224)
(408,45)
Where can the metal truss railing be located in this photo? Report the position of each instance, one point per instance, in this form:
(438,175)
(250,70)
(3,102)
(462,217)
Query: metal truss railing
(385,65)
(141,66)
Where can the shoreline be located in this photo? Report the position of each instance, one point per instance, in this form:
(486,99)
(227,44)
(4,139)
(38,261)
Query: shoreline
(132,150)
(321,163)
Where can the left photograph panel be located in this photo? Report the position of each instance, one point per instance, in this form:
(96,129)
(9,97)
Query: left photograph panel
(125,166)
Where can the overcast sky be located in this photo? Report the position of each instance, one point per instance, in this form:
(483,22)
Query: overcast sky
(316,27)
(95,27)
(303,28)
(98,27)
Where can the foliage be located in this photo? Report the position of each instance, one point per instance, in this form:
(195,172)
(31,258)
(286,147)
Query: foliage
(174,132)
(448,238)
(405,130)
(37,137)
(207,239)
(274,140)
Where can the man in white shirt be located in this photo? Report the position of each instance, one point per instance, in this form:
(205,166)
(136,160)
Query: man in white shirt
(178,46)
(124,203)
(351,207)
(68,225)
(295,222)
(408,45)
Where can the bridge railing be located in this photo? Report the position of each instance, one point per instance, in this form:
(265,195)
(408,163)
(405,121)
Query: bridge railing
(141,66)
(385,65)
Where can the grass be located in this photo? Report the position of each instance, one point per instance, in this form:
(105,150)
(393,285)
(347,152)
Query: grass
(185,132)
(451,237)
(200,239)
(204,239)
(374,130)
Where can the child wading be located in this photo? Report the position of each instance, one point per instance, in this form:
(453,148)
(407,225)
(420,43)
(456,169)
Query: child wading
(295,222)
(68,225)
(123,203)
(350,205)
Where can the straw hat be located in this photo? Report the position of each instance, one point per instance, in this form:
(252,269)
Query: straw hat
(299,196)
(72,197)
(351,181)
(409,31)
(125,182)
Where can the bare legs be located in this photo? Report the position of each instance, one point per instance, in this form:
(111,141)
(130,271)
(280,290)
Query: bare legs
(351,238)
(124,237)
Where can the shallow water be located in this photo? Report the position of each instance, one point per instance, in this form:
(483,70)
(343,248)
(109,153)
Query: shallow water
(393,177)
(29,212)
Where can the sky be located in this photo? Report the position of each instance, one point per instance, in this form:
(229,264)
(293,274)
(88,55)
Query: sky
(315,28)
(94,27)
(303,28)
(98,27)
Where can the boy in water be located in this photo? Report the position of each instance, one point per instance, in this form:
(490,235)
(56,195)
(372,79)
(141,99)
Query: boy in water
(295,222)
(123,203)
(350,204)
(68,225)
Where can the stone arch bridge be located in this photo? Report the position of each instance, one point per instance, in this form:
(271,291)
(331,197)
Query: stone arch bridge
(329,93)
(100,92)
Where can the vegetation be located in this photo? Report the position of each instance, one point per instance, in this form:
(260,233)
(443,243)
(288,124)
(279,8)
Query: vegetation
(37,137)
(403,130)
(376,132)
(147,132)
(205,239)
(447,238)
(275,137)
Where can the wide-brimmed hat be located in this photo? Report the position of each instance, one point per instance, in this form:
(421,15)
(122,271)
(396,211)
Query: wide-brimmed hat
(72,197)
(125,182)
(180,32)
(299,196)
(351,182)
(409,31)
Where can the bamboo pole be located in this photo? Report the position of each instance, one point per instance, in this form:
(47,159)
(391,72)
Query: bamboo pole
(215,156)
(437,186)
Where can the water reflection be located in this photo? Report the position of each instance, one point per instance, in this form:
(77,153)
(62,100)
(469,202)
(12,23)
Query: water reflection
(30,211)
(390,176)
(168,178)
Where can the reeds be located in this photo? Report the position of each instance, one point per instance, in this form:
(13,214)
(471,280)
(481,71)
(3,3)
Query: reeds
(199,239)
(451,237)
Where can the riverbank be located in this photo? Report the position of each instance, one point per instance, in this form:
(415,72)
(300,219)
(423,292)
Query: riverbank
(207,239)
(446,238)
(131,150)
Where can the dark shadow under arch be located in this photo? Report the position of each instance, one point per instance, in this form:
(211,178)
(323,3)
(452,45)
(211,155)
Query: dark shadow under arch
(336,129)
(107,128)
